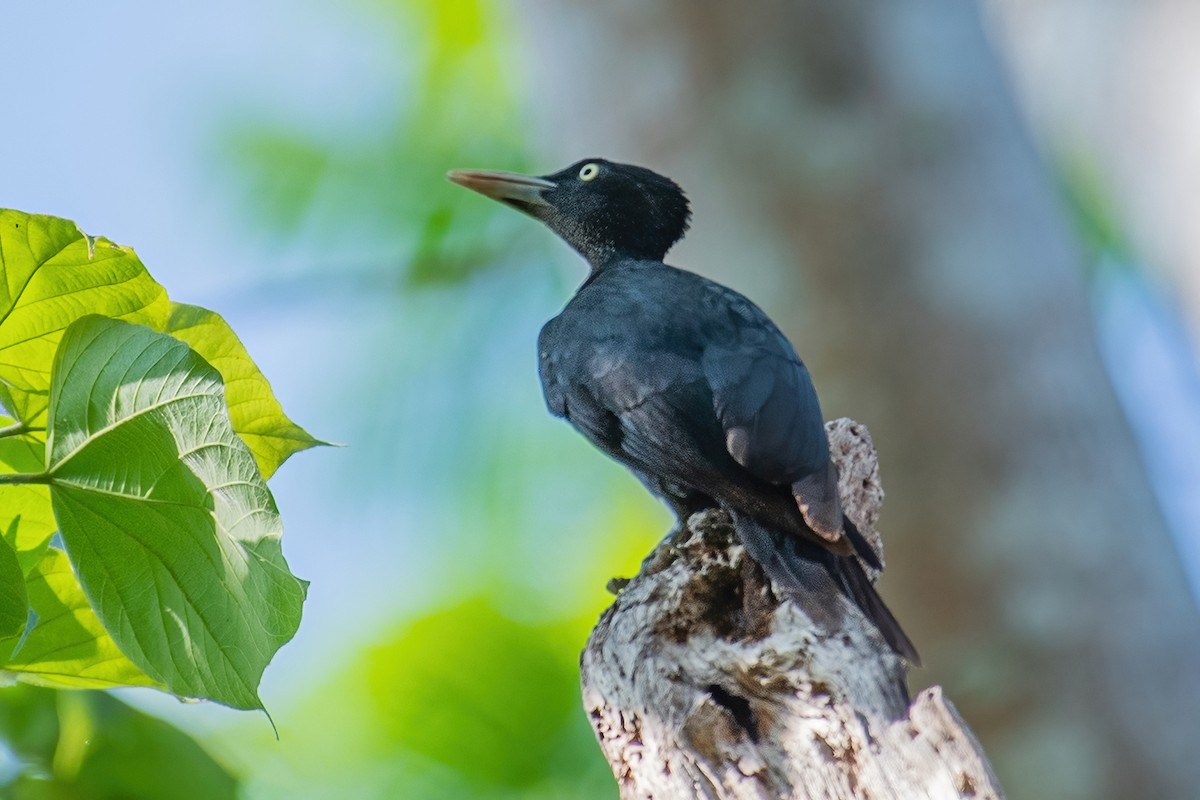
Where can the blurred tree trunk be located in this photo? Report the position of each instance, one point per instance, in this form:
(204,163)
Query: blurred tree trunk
(860,169)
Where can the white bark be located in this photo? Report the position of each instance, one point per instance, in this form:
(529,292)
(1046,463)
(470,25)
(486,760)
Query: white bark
(699,682)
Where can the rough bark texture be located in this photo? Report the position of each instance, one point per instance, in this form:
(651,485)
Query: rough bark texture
(859,170)
(700,682)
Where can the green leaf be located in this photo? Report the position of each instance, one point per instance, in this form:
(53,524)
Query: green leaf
(50,275)
(255,413)
(25,513)
(164,513)
(90,745)
(68,647)
(14,602)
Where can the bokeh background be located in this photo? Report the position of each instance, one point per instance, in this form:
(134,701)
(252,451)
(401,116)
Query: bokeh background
(978,222)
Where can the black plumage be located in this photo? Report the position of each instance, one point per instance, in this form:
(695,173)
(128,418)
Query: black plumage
(688,383)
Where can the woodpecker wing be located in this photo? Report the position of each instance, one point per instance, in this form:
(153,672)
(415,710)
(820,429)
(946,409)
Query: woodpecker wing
(764,398)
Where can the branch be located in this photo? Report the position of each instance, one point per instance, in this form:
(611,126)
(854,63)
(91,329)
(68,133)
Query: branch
(700,682)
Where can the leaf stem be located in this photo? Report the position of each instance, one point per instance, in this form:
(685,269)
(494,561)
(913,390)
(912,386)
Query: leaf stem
(16,429)
(18,478)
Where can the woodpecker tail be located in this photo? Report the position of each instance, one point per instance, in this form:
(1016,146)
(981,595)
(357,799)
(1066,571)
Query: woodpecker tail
(862,547)
(810,574)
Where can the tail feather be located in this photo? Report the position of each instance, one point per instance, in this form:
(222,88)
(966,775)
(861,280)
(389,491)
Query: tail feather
(862,547)
(808,572)
(860,589)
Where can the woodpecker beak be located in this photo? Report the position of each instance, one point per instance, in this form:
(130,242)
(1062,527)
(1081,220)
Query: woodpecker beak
(521,191)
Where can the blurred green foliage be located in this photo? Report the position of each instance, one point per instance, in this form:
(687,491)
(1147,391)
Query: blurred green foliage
(92,746)
(369,200)
(463,702)
(475,691)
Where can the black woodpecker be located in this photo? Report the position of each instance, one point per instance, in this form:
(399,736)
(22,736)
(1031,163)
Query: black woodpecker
(688,383)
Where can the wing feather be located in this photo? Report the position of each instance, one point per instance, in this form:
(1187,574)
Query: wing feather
(767,406)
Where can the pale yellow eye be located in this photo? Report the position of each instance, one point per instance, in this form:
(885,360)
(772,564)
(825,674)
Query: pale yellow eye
(589,171)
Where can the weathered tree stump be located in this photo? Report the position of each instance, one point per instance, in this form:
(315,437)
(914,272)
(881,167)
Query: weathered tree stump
(700,681)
